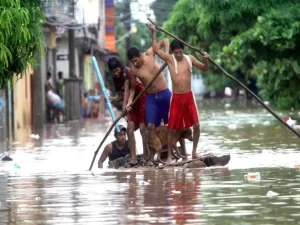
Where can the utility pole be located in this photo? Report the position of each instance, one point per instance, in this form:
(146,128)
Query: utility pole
(127,25)
(71,37)
(53,52)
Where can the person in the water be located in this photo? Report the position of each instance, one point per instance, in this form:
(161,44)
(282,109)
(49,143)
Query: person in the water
(116,149)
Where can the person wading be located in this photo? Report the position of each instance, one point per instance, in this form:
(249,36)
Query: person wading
(116,149)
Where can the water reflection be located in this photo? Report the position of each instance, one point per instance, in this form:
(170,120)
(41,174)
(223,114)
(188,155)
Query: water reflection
(180,196)
(53,186)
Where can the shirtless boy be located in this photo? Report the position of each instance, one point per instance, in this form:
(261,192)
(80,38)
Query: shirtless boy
(136,117)
(158,95)
(180,67)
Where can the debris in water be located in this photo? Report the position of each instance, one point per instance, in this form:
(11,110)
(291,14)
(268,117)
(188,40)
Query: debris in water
(227,105)
(272,194)
(252,176)
(232,126)
(268,151)
(229,112)
(266,123)
(143,183)
(38,198)
(6,158)
(289,121)
(16,165)
(176,192)
(35,136)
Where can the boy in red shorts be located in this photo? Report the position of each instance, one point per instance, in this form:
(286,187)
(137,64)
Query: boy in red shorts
(136,117)
(183,109)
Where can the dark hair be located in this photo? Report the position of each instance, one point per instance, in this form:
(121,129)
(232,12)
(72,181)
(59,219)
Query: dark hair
(176,44)
(48,74)
(114,63)
(133,52)
(60,73)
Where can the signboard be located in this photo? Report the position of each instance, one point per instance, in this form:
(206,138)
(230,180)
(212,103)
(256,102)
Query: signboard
(62,57)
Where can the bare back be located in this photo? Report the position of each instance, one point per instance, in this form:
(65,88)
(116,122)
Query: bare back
(181,80)
(148,71)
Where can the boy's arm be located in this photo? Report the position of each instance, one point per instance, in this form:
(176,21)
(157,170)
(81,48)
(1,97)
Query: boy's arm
(107,150)
(163,43)
(131,90)
(126,94)
(202,66)
(164,55)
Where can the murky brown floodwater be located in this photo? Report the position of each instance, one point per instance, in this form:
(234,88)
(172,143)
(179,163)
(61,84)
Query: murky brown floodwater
(53,186)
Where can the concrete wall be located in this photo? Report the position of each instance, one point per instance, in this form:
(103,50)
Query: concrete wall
(102,14)
(2,117)
(38,93)
(63,64)
(88,73)
(22,101)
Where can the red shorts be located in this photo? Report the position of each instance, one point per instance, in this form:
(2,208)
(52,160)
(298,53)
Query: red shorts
(137,115)
(183,111)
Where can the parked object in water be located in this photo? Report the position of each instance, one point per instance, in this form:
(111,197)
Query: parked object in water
(7,158)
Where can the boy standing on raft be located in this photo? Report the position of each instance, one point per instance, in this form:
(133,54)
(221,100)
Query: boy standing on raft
(183,109)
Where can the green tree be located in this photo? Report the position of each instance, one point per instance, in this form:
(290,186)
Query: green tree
(21,37)
(256,38)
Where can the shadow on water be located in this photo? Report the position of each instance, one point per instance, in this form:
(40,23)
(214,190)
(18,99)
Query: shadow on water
(52,184)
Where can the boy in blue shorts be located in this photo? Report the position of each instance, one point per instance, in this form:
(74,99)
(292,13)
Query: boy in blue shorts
(158,95)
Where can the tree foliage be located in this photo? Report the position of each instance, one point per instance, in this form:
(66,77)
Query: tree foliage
(258,39)
(21,37)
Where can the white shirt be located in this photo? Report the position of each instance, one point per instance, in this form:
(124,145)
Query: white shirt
(188,60)
(53,98)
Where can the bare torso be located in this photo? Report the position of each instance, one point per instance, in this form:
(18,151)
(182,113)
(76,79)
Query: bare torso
(148,71)
(181,81)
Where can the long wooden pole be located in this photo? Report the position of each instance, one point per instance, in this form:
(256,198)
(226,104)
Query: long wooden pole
(124,113)
(230,76)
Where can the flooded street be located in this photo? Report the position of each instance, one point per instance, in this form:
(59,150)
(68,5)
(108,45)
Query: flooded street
(48,181)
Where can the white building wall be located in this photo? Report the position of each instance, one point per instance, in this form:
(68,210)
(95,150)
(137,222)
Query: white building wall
(63,64)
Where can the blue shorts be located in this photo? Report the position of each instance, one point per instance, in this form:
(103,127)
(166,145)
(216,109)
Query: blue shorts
(84,113)
(157,107)
(60,105)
